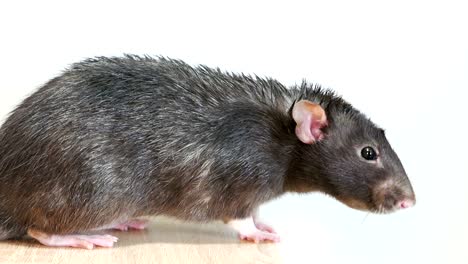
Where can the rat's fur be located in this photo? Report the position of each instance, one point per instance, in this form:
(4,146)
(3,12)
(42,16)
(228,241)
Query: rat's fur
(115,138)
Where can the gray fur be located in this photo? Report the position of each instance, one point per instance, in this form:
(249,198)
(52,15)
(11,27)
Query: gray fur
(115,138)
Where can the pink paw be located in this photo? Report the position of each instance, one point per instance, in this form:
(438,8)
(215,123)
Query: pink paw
(137,224)
(77,241)
(265,227)
(258,236)
(252,230)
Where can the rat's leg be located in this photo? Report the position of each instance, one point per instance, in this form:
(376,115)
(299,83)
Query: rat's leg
(138,224)
(253,231)
(78,241)
(262,226)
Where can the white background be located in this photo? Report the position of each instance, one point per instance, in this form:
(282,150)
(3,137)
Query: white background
(403,63)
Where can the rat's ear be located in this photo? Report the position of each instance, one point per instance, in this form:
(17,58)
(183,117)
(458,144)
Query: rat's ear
(310,119)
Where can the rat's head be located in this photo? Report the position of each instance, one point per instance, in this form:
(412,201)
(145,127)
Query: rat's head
(349,157)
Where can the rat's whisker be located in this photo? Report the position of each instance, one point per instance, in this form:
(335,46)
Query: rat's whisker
(365,217)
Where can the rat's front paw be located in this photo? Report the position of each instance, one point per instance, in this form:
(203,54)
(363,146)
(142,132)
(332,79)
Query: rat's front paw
(254,231)
(258,236)
(264,227)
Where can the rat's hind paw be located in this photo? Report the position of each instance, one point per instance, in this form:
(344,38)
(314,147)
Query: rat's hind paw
(77,241)
(137,224)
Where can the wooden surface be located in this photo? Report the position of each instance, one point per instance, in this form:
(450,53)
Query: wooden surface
(165,241)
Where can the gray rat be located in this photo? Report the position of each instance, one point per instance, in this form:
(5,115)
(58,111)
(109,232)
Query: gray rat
(114,139)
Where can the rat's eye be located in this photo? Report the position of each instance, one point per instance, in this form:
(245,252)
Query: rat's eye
(369,153)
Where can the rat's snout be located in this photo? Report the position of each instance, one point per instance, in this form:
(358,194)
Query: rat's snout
(392,195)
(406,203)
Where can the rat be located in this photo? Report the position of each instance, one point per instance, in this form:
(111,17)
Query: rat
(114,139)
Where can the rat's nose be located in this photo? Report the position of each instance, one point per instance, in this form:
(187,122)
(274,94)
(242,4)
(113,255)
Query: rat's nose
(407,203)
(391,196)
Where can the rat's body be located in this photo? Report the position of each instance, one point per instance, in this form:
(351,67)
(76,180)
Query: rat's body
(117,138)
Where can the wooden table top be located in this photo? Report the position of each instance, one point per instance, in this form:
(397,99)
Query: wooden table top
(164,241)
